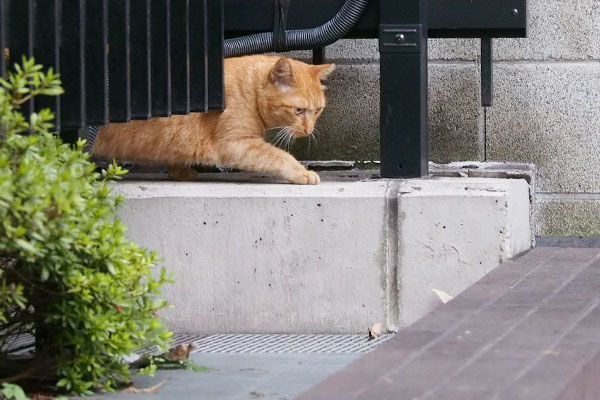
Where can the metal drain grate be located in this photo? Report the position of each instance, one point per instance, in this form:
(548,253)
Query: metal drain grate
(254,344)
(22,344)
(285,343)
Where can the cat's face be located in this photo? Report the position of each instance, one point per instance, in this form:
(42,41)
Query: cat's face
(295,96)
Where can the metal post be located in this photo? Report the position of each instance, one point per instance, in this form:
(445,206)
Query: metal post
(198,56)
(46,48)
(180,56)
(487,77)
(161,58)
(139,37)
(403,65)
(96,61)
(318,55)
(21,26)
(119,68)
(72,64)
(216,94)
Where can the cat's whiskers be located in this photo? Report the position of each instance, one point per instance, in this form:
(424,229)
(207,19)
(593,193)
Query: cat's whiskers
(283,136)
(280,135)
(290,139)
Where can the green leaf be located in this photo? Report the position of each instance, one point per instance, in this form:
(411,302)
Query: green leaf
(25,245)
(63,382)
(12,391)
(192,366)
(45,274)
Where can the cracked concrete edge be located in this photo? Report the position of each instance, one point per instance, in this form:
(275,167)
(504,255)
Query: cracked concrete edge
(392,256)
(503,170)
(437,222)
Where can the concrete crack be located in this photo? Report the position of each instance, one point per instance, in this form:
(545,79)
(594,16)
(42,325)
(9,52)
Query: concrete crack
(391,255)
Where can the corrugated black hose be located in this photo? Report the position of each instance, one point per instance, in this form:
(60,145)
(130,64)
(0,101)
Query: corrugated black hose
(300,39)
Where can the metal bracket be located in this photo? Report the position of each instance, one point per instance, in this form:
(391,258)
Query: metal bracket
(487,72)
(401,38)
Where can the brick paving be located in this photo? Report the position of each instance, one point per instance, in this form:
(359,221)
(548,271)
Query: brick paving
(530,329)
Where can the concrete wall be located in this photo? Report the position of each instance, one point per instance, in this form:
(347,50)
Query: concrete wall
(546,108)
(330,258)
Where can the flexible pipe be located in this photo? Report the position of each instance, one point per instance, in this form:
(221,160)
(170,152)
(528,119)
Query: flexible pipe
(301,39)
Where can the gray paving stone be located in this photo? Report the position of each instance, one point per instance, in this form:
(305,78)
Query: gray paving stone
(568,241)
(239,377)
(557,30)
(567,217)
(547,114)
(349,128)
(555,370)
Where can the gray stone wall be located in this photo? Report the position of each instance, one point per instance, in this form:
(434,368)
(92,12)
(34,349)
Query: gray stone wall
(546,109)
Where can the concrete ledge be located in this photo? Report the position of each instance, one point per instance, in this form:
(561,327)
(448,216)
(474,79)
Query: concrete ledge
(332,258)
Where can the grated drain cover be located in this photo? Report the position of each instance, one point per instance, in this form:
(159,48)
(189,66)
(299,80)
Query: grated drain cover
(285,343)
(255,343)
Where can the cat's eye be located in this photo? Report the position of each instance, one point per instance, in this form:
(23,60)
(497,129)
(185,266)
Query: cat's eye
(299,111)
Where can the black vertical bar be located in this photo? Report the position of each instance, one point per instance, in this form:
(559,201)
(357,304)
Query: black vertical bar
(20,36)
(96,60)
(487,77)
(318,55)
(216,97)
(46,47)
(72,64)
(180,57)
(3,38)
(161,61)
(403,64)
(119,89)
(198,56)
(139,37)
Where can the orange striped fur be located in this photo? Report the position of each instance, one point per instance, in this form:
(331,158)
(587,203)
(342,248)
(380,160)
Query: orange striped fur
(261,92)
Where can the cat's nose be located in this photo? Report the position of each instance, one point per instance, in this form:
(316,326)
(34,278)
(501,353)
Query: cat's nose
(308,133)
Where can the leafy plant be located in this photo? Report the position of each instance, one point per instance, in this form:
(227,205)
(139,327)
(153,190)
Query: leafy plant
(68,274)
(12,391)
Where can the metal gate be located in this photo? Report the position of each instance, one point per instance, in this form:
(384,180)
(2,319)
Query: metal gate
(161,57)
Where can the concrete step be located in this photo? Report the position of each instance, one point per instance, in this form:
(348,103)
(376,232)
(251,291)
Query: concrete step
(251,256)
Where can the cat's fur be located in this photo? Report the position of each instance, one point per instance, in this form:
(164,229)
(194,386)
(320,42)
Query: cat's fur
(261,92)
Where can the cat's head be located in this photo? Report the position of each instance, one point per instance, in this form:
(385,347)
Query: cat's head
(294,95)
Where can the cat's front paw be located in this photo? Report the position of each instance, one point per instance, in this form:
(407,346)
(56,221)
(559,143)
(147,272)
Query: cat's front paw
(306,178)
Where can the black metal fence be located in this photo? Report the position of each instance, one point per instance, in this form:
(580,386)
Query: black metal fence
(161,57)
(165,57)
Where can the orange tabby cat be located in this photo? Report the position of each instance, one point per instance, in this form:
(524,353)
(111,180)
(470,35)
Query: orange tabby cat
(261,92)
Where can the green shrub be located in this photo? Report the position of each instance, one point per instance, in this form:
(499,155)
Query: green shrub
(68,274)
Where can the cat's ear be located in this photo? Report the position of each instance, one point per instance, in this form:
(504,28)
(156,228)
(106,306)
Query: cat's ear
(282,75)
(323,71)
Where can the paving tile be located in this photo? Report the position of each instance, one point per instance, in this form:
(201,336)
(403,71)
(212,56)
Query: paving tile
(368,370)
(552,372)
